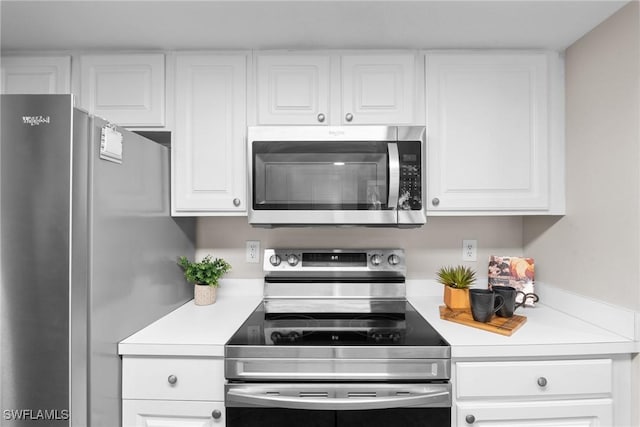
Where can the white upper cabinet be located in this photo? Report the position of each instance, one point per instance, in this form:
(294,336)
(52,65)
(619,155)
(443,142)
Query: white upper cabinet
(378,89)
(208,161)
(494,133)
(293,89)
(334,89)
(127,89)
(36,74)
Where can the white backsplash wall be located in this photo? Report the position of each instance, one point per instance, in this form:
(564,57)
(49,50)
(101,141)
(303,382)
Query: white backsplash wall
(437,243)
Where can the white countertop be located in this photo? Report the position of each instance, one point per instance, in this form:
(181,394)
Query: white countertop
(547,332)
(192,330)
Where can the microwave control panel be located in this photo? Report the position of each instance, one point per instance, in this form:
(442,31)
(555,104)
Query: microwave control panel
(410,194)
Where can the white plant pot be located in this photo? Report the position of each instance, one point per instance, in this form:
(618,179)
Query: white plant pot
(204,294)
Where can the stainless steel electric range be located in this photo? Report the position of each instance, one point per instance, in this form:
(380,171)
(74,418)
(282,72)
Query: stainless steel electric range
(336,343)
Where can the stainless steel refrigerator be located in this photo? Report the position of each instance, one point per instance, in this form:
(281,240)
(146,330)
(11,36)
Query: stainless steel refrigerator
(88,257)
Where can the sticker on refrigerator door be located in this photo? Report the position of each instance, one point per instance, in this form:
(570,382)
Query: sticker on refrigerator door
(111,145)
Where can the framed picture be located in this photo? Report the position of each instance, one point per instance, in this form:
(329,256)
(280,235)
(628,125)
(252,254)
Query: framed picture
(517,272)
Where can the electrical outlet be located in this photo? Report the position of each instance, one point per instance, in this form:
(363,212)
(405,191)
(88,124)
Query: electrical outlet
(253,251)
(469,250)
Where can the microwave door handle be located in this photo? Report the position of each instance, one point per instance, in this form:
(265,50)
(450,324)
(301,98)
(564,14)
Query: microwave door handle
(394,175)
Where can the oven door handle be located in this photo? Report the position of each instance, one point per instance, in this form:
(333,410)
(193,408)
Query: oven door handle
(439,398)
(394,175)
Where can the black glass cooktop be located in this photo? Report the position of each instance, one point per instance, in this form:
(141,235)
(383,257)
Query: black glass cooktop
(393,323)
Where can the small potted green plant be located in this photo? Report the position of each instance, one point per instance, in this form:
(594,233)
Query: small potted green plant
(457,281)
(204,275)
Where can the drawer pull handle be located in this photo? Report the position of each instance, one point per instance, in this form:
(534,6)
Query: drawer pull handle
(236,202)
(348,117)
(470,419)
(172,379)
(321,117)
(216,414)
(542,382)
(435,201)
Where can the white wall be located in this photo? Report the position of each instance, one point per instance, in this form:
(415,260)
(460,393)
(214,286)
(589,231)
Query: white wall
(595,249)
(438,243)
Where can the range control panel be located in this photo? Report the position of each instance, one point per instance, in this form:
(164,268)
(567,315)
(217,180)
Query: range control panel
(334,261)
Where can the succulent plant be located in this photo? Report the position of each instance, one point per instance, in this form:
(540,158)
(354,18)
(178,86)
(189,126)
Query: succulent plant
(459,277)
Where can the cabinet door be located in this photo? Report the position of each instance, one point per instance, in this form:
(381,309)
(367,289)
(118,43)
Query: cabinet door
(208,162)
(557,413)
(168,413)
(378,89)
(36,75)
(292,89)
(488,131)
(125,89)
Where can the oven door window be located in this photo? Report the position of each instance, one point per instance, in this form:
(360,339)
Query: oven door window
(320,175)
(278,417)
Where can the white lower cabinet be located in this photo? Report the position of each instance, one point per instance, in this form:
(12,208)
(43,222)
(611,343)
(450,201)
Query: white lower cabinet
(172,391)
(534,393)
(161,413)
(574,413)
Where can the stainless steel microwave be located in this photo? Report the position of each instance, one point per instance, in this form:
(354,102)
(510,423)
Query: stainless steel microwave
(336,175)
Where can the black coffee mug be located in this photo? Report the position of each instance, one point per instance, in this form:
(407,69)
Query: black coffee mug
(484,303)
(509,296)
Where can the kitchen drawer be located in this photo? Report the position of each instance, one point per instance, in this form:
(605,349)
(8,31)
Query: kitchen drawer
(173,378)
(542,413)
(534,378)
(166,413)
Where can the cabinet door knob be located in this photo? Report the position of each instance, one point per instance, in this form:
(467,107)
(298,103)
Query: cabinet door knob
(236,202)
(542,382)
(172,379)
(321,117)
(470,419)
(216,414)
(435,201)
(348,117)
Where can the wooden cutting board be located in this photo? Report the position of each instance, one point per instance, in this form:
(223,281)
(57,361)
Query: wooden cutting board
(499,325)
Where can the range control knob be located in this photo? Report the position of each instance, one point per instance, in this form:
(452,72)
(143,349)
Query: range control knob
(276,337)
(292,260)
(275,260)
(376,259)
(394,259)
